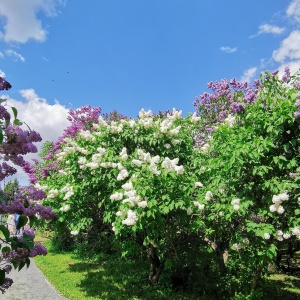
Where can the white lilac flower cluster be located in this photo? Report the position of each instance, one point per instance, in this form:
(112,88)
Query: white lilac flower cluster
(123,173)
(280,236)
(199,205)
(131,218)
(146,158)
(41,187)
(205,148)
(64,172)
(71,147)
(123,154)
(229,121)
(115,127)
(277,200)
(65,208)
(145,118)
(194,118)
(129,196)
(236,204)
(86,135)
(198,184)
(167,123)
(176,114)
(296,232)
(68,190)
(238,246)
(52,194)
(208,196)
(172,165)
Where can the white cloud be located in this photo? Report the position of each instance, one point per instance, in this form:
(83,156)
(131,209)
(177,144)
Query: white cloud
(49,120)
(289,48)
(15,54)
(267,28)
(248,75)
(21,22)
(2,74)
(228,49)
(293,10)
(1,54)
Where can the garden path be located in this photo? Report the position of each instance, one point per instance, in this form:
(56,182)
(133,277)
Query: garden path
(30,284)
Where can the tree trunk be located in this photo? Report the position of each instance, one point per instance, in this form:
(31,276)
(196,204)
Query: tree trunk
(256,278)
(156,267)
(221,250)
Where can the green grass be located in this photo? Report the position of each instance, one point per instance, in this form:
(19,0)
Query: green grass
(111,279)
(286,287)
(114,279)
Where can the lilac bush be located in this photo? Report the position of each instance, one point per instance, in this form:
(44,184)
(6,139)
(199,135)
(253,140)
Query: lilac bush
(15,142)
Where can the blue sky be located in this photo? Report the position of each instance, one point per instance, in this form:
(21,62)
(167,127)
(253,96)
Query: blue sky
(133,54)
(126,55)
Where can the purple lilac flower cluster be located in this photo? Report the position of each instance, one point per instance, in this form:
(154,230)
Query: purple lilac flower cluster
(287,75)
(29,232)
(17,206)
(228,98)
(7,284)
(4,85)
(297,113)
(6,170)
(19,142)
(114,116)
(21,254)
(81,119)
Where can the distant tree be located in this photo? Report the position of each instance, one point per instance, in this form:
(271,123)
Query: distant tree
(11,188)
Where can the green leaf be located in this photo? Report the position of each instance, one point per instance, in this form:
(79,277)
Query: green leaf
(17,122)
(22,264)
(5,232)
(6,249)
(28,241)
(297,212)
(2,276)
(32,219)
(2,197)
(1,135)
(27,261)
(22,222)
(15,111)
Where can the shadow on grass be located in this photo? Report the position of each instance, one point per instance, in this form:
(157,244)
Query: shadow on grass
(122,281)
(283,287)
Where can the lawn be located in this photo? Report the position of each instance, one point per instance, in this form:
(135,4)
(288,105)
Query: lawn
(110,279)
(120,279)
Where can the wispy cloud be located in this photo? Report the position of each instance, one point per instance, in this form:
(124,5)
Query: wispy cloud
(267,28)
(15,54)
(248,74)
(228,49)
(2,74)
(1,54)
(293,10)
(21,21)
